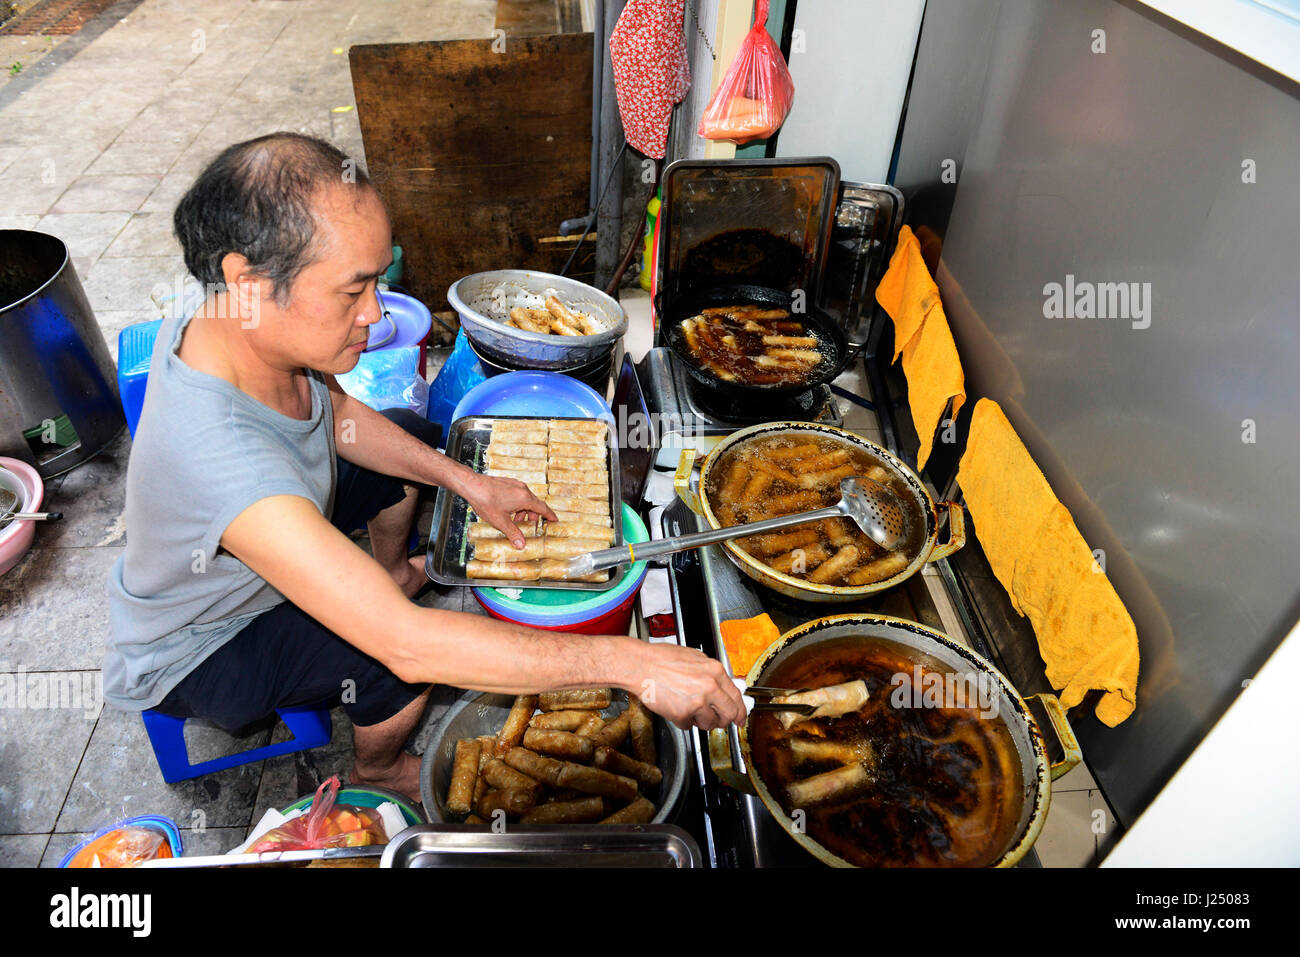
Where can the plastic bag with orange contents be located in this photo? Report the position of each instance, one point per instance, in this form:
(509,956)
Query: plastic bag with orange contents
(127,844)
(754,97)
(325,824)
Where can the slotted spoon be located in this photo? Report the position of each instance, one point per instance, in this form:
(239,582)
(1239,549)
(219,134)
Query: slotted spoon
(870,505)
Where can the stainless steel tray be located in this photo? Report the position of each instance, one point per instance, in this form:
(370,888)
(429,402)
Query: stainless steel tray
(448,551)
(574,845)
(480,713)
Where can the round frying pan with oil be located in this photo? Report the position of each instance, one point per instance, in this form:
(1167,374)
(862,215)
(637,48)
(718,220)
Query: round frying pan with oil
(835,346)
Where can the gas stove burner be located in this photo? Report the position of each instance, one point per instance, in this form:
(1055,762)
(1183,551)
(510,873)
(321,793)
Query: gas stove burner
(804,407)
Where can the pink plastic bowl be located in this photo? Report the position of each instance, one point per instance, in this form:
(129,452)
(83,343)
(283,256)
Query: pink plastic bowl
(16,537)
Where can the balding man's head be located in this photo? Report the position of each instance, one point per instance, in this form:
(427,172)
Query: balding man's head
(258,199)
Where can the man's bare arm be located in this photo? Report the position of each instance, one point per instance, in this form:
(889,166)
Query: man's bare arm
(326,575)
(366,438)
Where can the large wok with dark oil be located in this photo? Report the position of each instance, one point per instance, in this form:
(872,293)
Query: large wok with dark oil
(957,770)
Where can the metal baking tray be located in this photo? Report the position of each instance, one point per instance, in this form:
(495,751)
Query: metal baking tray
(572,845)
(467,443)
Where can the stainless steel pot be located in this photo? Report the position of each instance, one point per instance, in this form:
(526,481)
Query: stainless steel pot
(478,713)
(1037,770)
(483,316)
(918,503)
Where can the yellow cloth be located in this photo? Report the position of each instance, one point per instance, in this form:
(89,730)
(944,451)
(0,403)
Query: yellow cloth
(1085,635)
(922,337)
(746,639)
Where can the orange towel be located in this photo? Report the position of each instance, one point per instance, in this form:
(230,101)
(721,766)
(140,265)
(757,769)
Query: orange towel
(922,336)
(1085,634)
(906,290)
(746,639)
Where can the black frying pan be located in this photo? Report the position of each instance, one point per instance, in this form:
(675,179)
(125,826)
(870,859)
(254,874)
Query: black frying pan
(691,304)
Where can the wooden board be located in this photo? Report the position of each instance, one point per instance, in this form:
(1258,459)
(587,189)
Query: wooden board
(479,152)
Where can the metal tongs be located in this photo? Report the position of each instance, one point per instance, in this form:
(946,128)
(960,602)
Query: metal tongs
(871,506)
(762,691)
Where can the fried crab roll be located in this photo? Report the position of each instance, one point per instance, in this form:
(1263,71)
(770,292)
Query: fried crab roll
(560,744)
(642,731)
(821,788)
(577,811)
(640,811)
(799,561)
(886,566)
(558,720)
(579,777)
(512,732)
(584,699)
(500,775)
(614,733)
(536,766)
(607,759)
(513,802)
(464,775)
(590,725)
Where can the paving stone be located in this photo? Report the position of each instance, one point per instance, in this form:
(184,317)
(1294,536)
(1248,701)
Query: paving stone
(86,234)
(55,604)
(22,850)
(146,233)
(134,284)
(92,498)
(40,744)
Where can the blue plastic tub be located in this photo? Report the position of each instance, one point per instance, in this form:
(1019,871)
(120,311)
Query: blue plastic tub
(155,821)
(534,394)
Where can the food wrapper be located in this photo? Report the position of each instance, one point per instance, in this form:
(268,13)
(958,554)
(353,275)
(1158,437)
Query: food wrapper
(325,824)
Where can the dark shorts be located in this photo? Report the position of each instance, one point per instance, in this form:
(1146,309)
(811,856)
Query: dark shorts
(284,657)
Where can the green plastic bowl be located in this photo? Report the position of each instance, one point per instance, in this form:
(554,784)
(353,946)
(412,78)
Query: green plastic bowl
(368,798)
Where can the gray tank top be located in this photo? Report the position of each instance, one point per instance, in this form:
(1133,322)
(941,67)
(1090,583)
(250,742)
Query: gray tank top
(203,452)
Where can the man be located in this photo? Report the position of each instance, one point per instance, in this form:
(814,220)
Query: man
(237,594)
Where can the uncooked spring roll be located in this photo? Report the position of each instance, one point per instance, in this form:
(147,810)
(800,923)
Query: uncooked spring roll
(500,550)
(584,450)
(504,571)
(570,547)
(592,476)
(812,749)
(833,784)
(587,530)
(582,518)
(520,450)
(585,506)
(596,493)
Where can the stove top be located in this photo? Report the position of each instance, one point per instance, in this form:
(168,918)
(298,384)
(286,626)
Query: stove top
(691,416)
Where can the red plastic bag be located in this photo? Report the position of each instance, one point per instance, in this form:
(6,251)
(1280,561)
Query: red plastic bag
(754,97)
(325,824)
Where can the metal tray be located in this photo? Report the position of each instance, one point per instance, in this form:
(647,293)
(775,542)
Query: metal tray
(480,713)
(448,551)
(271,858)
(573,845)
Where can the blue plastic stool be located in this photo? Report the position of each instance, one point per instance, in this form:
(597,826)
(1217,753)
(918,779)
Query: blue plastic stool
(310,726)
(134,350)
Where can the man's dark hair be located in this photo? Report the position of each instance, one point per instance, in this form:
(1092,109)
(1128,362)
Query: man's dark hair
(255,199)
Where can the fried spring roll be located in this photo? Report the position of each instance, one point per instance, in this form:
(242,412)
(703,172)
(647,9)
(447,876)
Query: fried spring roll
(464,775)
(827,476)
(758,483)
(793,502)
(839,531)
(595,781)
(475,819)
(562,327)
(807,342)
(578,811)
(642,731)
(827,460)
(512,732)
(886,566)
(793,452)
(500,775)
(830,701)
(797,355)
(607,759)
(824,787)
(615,733)
(523,318)
(692,337)
(799,561)
(593,723)
(577,699)
(558,720)
(536,766)
(776,542)
(837,566)
(513,802)
(734,483)
(500,550)
(640,811)
(758,464)
(561,744)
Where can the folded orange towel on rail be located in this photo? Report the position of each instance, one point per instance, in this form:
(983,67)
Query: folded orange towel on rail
(924,340)
(747,638)
(1085,634)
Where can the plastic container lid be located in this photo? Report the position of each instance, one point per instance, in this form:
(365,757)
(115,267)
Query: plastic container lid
(547,606)
(407,323)
(533,393)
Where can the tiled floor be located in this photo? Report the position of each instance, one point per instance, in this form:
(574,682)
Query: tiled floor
(97,153)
